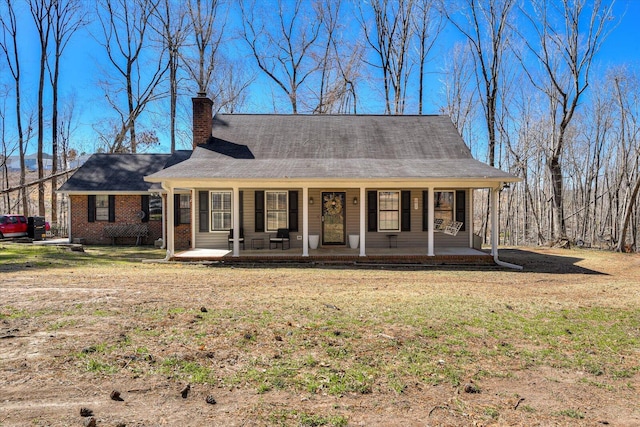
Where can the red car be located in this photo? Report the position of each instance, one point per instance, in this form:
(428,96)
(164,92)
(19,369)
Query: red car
(13,226)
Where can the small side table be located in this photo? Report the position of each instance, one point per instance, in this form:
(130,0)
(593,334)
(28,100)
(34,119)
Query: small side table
(257,244)
(393,240)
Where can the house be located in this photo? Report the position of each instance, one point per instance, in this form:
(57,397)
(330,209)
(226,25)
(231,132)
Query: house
(31,162)
(109,191)
(358,182)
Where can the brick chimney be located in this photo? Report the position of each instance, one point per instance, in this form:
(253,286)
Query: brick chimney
(202,119)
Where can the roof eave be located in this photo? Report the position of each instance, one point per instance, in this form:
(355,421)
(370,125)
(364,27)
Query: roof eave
(405,182)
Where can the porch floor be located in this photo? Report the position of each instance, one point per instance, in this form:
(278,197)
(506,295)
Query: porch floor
(342,255)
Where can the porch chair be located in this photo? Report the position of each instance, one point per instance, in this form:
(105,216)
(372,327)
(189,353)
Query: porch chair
(453,227)
(439,224)
(282,236)
(240,239)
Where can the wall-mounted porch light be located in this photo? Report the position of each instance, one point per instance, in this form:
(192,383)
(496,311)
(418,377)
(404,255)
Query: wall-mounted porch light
(355,200)
(310,200)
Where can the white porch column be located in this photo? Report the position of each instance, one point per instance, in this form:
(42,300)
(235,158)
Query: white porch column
(363,221)
(170,223)
(305,221)
(431,216)
(494,221)
(469,218)
(164,228)
(236,222)
(193,218)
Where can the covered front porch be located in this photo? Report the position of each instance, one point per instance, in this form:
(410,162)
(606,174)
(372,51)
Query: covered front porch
(329,220)
(393,223)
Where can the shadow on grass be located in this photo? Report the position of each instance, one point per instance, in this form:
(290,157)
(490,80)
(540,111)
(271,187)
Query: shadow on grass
(534,262)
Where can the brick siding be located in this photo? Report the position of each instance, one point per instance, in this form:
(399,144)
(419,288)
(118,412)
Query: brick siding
(126,211)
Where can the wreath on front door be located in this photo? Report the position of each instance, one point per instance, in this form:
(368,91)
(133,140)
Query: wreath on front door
(333,205)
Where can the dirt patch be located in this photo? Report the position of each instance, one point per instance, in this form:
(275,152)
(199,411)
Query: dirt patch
(555,344)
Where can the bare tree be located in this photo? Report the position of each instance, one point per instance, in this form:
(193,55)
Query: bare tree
(9,46)
(339,62)
(460,95)
(567,36)
(330,11)
(390,38)
(66,18)
(41,13)
(7,148)
(627,97)
(428,25)
(206,25)
(124,25)
(283,45)
(66,126)
(595,131)
(172,28)
(230,84)
(485,26)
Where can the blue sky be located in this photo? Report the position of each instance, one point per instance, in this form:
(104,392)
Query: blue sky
(82,59)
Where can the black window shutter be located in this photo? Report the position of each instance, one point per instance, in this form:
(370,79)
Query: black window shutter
(372,210)
(425,210)
(405,218)
(112,208)
(144,207)
(259,217)
(461,201)
(293,210)
(176,209)
(91,208)
(203,210)
(241,197)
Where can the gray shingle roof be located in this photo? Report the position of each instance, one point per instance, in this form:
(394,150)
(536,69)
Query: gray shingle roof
(119,172)
(332,146)
(336,137)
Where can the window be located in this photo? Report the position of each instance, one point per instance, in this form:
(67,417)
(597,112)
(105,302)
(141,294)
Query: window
(220,210)
(155,207)
(184,208)
(277,211)
(388,211)
(443,205)
(102,207)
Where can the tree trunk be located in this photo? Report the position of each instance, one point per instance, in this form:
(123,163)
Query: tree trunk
(627,216)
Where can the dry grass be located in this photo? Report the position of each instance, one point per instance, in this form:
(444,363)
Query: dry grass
(556,344)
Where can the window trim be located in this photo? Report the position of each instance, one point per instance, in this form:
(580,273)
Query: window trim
(211,211)
(398,211)
(267,210)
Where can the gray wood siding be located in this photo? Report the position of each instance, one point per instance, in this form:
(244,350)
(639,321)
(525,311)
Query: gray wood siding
(414,238)
(249,220)
(218,240)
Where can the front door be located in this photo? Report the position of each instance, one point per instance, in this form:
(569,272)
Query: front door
(333,218)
